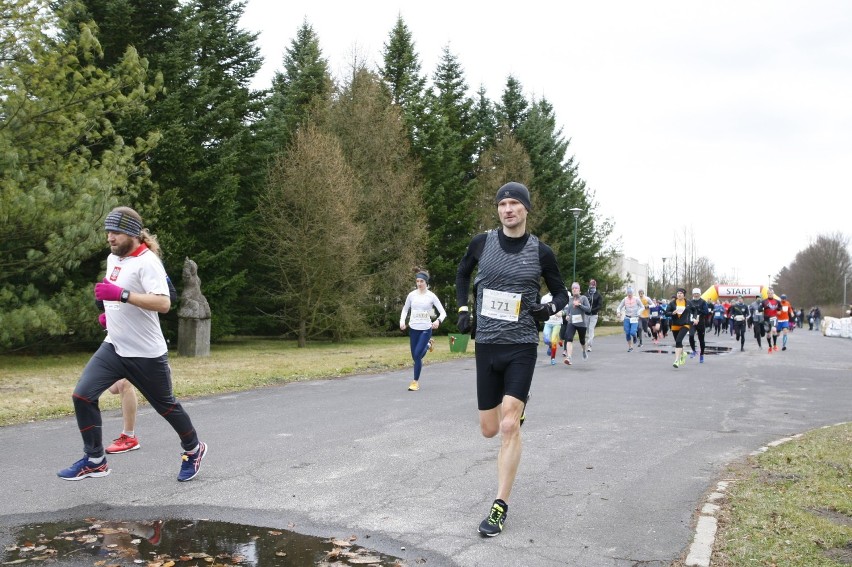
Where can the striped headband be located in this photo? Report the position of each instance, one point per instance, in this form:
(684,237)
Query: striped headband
(122,222)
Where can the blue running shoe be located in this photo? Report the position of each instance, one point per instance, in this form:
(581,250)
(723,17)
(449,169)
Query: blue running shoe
(191,463)
(84,468)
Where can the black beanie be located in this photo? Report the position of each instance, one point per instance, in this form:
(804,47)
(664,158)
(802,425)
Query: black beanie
(514,190)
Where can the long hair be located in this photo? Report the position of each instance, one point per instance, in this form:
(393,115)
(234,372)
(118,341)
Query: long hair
(145,235)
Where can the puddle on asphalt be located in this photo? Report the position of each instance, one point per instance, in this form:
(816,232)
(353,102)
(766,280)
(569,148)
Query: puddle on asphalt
(708,350)
(180,543)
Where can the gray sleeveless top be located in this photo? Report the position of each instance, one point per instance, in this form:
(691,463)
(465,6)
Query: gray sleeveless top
(501,316)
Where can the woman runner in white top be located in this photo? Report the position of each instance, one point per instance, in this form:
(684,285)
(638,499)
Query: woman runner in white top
(420,306)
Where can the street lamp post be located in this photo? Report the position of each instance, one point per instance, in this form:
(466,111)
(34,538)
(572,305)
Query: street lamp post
(576,213)
(664,276)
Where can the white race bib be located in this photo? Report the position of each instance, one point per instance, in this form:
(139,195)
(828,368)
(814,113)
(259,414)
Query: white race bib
(680,309)
(420,317)
(502,305)
(739,317)
(634,320)
(577,318)
(784,308)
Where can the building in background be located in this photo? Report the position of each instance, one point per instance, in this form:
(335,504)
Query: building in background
(633,272)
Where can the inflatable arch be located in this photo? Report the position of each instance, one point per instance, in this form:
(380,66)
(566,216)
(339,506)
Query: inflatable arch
(731,291)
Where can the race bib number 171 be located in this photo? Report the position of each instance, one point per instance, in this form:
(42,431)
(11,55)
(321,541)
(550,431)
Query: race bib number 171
(502,305)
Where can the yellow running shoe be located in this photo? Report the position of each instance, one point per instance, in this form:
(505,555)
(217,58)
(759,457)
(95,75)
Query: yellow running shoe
(414,386)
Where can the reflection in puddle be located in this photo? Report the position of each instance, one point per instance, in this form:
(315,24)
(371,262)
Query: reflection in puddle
(708,349)
(179,542)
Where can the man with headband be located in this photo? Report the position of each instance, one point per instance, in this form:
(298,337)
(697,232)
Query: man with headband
(133,292)
(508,309)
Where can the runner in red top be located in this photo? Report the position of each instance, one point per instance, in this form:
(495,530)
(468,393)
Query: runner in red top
(771,308)
(784,320)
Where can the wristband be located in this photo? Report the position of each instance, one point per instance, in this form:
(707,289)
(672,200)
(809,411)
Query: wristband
(463,309)
(125,295)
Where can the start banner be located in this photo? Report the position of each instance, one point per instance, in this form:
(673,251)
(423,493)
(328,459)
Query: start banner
(731,291)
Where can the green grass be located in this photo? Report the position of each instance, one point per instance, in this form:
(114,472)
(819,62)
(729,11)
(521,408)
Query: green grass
(792,505)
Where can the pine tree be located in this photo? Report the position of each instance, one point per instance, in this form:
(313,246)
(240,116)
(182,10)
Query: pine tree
(57,108)
(207,168)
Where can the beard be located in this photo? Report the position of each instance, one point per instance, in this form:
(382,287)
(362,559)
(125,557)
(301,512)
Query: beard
(122,250)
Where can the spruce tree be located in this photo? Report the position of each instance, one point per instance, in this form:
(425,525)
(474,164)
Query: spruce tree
(304,83)
(401,73)
(446,149)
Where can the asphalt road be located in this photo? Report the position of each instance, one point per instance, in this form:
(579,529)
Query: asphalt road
(619,452)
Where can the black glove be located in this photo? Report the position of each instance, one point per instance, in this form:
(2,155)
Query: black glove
(464,322)
(542,311)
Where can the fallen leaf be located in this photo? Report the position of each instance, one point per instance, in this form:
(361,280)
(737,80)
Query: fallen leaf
(364,559)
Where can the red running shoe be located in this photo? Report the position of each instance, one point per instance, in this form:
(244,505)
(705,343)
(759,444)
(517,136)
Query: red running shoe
(123,444)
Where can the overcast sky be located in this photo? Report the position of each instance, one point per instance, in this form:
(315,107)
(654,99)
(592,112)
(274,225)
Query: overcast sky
(730,121)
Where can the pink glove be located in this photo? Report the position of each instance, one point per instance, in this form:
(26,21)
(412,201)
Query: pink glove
(106,291)
(102,320)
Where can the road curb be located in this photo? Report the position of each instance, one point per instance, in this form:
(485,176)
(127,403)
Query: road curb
(701,549)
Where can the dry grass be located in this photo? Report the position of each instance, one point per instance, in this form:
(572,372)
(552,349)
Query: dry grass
(34,388)
(791,506)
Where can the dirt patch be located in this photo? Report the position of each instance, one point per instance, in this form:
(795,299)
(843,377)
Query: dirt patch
(833,516)
(841,554)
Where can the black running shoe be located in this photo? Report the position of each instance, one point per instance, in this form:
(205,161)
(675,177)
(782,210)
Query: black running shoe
(493,524)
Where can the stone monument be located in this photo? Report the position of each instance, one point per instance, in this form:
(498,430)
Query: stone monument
(193,315)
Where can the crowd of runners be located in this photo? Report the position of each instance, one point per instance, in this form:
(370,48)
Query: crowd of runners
(504,267)
(686,318)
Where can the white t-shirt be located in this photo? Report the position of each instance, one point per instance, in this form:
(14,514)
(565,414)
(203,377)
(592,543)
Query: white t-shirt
(136,332)
(420,305)
(556,318)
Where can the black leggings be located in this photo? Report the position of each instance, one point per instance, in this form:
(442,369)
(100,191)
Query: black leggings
(740,330)
(679,335)
(699,328)
(151,376)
